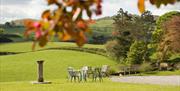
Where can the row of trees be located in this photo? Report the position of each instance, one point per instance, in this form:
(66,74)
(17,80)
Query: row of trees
(137,38)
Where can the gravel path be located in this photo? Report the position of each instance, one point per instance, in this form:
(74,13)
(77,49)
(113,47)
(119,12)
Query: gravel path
(161,80)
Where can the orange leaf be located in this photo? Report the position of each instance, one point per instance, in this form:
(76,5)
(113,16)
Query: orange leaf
(152,1)
(65,36)
(141,6)
(43,41)
(46,15)
(29,24)
(90,21)
(71,2)
(51,2)
(82,24)
(81,39)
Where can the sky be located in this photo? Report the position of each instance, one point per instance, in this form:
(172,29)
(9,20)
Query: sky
(19,9)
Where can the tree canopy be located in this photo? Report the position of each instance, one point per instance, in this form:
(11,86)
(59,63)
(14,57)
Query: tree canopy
(67,23)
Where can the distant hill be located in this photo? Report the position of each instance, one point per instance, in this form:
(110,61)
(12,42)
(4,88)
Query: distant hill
(20,22)
(102,26)
(103,22)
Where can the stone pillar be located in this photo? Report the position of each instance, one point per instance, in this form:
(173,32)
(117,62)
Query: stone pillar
(40,71)
(40,74)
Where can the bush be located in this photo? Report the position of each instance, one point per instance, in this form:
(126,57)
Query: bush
(116,50)
(145,67)
(112,71)
(177,66)
(136,53)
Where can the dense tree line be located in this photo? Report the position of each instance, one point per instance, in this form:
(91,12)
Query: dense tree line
(137,38)
(128,29)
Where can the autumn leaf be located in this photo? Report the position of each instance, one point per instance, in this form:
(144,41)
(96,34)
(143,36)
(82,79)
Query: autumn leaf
(43,41)
(159,2)
(81,24)
(90,21)
(46,15)
(29,24)
(141,6)
(38,34)
(67,24)
(70,2)
(81,39)
(65,36)
(152,1)
(51,2)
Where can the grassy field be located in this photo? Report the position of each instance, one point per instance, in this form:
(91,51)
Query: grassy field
(103,23)
(18,71)
(63,85)
(21,67)
(26,46)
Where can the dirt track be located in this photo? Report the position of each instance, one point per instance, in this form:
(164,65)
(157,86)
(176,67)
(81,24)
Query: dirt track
(161,80)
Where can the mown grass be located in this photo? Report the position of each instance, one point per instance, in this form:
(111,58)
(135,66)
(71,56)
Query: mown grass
(27,46)
(17,71)
(22,67)
(63,85)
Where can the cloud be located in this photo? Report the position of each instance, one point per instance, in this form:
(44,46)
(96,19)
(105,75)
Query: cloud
(18,9)
(15,2)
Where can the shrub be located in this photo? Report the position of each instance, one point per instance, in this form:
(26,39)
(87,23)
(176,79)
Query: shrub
(135,55)
(112,71)
(145,67)
(116,50)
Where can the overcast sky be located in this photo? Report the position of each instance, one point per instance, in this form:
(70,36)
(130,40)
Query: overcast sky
(18,9)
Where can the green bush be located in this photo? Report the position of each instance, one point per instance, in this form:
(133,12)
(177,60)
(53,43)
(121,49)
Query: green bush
(111,71)
(145,67)
(136,52)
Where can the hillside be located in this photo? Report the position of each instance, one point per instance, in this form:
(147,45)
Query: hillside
(102,27)
(20,22)
(103,22)
(26,46)
(56,61)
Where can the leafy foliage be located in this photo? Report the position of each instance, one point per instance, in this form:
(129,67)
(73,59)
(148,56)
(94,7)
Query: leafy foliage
(135,54)
(64,23)
(130,28)
(116,50)
(158,3)
(69,24)
(146,24)
(122,37)
(145,67)
(171,38)
(159,24)
(160,35)
(2,30)
(157,34)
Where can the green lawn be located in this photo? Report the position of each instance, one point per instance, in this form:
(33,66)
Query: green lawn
(63,85)
(17,71)
(22,67)
(27,46)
